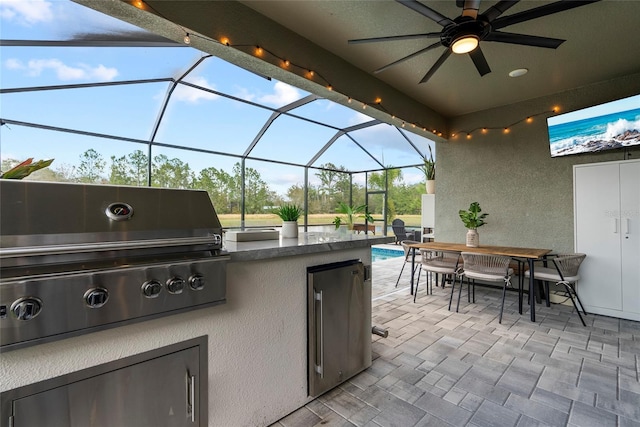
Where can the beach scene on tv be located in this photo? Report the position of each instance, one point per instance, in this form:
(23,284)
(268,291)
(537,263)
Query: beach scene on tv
(607,126)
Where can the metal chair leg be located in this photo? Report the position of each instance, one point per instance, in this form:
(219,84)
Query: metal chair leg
(451,298)
(400,275)
(459,295)
(504,294)
(572,292)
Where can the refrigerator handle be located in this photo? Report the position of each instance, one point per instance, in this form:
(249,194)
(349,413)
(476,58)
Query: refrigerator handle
(320,367)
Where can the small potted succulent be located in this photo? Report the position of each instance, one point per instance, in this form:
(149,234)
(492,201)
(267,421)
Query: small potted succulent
(289,214)
(472,219)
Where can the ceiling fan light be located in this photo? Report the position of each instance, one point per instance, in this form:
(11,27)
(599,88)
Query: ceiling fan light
(465,44)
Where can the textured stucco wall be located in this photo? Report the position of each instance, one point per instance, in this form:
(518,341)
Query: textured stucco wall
(257,342)
(528,194)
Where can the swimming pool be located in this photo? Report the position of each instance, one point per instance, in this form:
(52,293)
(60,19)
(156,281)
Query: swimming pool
(380,254)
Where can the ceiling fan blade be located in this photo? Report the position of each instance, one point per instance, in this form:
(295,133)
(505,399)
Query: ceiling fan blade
(379,70)
(499,8)
(393,38)
(524,39)
(538,12)
(426,11)
(470,8)
(437,65)
(480,61)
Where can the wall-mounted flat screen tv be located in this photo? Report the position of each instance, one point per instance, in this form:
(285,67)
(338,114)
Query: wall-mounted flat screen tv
(615,124)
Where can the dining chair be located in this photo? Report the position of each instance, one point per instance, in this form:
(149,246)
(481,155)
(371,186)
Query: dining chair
(486,267)
(564,272)
(407,257)
(449,264)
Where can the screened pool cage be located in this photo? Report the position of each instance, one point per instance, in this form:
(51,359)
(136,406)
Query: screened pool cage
(113,104)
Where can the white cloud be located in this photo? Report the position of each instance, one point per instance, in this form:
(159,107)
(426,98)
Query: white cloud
(36,67)
(283,94)
(191,95)
(358,118)
(244,93)
(26,12)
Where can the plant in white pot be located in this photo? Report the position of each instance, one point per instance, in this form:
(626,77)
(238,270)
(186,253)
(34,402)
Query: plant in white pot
(289,215)
(429,171)
(472,219)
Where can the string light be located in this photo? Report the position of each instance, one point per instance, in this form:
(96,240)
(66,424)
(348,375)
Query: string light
(506,129)
(260,51)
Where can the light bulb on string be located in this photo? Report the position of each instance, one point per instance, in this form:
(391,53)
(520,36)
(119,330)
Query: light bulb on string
(187,39)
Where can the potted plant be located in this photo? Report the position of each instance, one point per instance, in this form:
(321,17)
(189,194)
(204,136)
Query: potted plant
(429,171)
(472,219)
(351,213)
(289,214)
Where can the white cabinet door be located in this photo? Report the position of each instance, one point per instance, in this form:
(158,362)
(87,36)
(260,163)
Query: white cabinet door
(630,234)
(597,234)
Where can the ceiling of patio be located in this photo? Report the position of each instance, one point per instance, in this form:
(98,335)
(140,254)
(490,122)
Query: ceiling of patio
(602,41)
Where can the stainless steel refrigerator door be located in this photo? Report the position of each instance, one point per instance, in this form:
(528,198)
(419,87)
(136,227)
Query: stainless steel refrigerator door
(159,392)
(339,324)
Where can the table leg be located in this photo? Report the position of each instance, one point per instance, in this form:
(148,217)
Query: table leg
(413,266)
(532,291)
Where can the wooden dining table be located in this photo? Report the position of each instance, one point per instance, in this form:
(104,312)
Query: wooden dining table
(528,254)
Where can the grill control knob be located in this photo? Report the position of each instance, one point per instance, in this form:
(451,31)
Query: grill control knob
(26,308)
(151,288)
(175,285)
(96,297)
(196,282)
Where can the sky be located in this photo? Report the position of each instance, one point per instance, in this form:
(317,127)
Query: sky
(193,118)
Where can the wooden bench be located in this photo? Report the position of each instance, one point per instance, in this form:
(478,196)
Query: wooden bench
(361,227)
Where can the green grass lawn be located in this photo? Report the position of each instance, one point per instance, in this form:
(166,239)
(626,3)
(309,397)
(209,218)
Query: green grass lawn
(272,220)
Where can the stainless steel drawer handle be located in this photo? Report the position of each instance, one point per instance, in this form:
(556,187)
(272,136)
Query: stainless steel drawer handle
(320,367)
(191,396)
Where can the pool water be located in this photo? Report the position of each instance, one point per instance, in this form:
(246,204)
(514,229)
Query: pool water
(380,254)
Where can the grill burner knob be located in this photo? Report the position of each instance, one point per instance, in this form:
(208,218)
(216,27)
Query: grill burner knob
(96,297)
(26,308)
(151,288)
(196,282)
(175,285)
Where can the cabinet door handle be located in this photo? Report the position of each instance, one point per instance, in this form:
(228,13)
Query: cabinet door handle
(320,367)
(615,225)
(191,396)
(626,226)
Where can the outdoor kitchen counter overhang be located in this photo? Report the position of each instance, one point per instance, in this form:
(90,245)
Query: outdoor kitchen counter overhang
(257,355)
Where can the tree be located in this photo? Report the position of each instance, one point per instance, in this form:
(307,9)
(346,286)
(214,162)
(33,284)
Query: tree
(139,168)
(91,168)
(220,186)
(170,173)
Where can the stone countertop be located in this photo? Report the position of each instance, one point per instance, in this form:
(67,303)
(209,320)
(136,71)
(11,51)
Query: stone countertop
(306,243)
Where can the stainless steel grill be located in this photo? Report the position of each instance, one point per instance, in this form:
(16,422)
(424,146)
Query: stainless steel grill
(76,258)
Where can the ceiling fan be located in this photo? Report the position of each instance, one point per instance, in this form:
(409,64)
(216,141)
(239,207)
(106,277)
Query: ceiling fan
(464,33)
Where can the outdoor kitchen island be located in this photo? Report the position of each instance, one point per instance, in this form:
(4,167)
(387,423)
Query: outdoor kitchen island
(257,340)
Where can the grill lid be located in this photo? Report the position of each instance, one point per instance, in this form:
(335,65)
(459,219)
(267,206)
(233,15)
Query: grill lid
(47,218)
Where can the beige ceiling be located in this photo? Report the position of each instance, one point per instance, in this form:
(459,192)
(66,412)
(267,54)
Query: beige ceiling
(602,42)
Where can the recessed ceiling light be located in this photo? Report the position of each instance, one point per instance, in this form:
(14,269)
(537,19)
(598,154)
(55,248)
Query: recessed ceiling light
(519,72)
